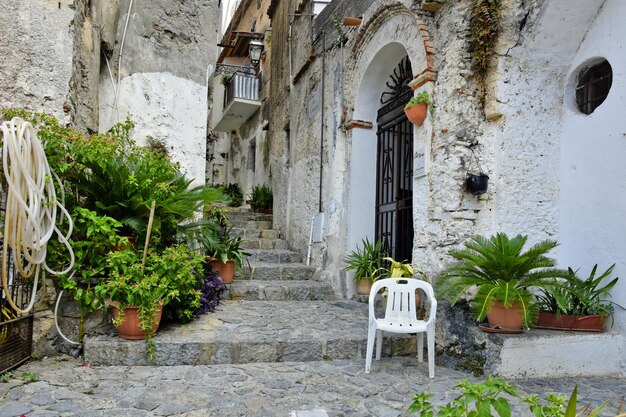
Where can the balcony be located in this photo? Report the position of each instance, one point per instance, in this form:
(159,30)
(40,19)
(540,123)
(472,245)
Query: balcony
(241,100)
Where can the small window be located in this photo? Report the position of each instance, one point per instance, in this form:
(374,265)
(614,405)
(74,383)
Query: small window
(593,86)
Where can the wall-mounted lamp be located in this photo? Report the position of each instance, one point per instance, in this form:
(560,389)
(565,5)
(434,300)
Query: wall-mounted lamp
(254,50)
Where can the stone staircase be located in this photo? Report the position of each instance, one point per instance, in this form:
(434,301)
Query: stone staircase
(277,312)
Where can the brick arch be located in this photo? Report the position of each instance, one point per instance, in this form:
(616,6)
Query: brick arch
(368,30)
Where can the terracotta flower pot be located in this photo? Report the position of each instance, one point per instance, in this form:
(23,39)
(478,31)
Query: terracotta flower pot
(594,323)
(417,113)
(508,318)
(364,286)
(226,270)
(352,21)
(130,328)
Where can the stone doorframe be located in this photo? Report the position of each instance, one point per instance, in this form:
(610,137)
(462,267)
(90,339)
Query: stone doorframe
(373,59)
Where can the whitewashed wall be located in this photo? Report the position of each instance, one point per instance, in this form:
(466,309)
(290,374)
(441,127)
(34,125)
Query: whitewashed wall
(593,150)
(164,107)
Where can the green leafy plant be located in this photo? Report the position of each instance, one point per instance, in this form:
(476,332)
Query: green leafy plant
(491,398)
(6,376)
(501,271)
(553,405)
(233,191)
(580,297)
(111,175)
(171,276)
(262,198)
(420,98)
(94,236)
(366,262)
(396,269)
(484,29)
(479,399)
(225,80)
(29,377)
(343,36)
(227,247)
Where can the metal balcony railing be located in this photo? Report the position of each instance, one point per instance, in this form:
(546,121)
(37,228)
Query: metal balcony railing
(242,85)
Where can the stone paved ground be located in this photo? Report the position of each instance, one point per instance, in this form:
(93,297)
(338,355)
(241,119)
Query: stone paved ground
(313,389)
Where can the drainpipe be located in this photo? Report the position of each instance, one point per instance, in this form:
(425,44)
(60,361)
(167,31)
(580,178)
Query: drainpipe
(322,120)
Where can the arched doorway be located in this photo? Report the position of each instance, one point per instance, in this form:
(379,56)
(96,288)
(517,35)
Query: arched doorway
(394,166)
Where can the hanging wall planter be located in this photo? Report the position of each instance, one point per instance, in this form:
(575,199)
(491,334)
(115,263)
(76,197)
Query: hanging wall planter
(477,183)
(417,108)
(416,113)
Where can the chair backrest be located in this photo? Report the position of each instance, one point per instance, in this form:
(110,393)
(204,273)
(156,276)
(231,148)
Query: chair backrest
(401,298)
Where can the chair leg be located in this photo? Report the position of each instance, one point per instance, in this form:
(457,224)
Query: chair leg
(379,343)
(371,335)
(430,334)
(420,347)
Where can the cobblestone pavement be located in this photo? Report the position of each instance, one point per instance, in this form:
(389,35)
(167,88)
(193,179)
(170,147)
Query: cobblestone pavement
(312,389)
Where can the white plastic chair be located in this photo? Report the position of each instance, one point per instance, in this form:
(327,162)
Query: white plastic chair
(400,317)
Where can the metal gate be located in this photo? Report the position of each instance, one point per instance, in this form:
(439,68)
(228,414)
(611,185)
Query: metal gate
(16,330)
(394,167)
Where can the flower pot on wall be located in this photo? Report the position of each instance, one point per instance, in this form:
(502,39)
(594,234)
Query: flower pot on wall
(477,183)
(416,113)
(506,318)
(548,320)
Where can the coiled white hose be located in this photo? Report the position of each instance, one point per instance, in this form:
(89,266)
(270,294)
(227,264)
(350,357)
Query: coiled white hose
(31,207)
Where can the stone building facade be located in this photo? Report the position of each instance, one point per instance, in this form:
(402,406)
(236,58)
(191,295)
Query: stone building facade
(554,171)
(238,121)
(62,58)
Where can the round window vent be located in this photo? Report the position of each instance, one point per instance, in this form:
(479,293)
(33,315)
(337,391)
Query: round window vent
(594,83)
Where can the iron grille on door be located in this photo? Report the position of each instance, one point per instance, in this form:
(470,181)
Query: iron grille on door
(394,167)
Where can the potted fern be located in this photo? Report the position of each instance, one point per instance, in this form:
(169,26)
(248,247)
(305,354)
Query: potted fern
(366,262)
(502,274)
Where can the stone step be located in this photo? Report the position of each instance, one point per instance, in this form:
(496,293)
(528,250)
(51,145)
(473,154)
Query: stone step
(296,290)
(276,272)
(251,224)
(256,233)
(557,354)
(274,256)
(249,215)
(263,243)
(260,331)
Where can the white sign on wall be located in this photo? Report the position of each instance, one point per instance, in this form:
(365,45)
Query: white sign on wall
(419,163)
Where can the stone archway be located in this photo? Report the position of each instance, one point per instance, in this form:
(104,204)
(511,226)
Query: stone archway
(364,143)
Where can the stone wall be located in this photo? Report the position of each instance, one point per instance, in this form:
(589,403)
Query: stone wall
(54,61)
(248,162)
(518,124)
(37,48)
(169,49)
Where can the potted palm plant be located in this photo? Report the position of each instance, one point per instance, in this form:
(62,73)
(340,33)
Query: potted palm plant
(262,199)
(502,274)
(577,304)
(366,262)
(225,254)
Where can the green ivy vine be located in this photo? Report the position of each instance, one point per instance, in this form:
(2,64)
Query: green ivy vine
(484,29)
